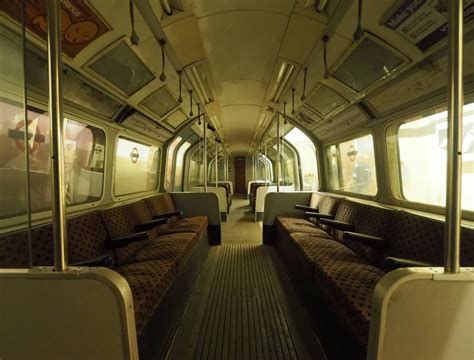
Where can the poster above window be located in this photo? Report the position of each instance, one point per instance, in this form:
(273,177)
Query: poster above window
(424,22)
(80,25)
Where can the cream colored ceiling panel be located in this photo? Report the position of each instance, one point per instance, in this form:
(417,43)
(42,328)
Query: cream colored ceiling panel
(186,41)
(208,7)
(242,92)
(301,36)
(242,45)
(347,120)
(240,123)
(430,77)
(145,126)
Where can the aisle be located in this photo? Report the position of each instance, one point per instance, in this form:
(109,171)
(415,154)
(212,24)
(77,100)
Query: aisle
(243,306)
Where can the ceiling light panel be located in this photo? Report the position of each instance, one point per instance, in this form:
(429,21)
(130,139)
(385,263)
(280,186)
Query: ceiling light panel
(358,73)
(123,69)
(160,103)
(325,101)
(199,76)
(283,76)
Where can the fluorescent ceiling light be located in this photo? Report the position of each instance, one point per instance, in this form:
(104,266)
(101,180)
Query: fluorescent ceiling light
(201,82)
(284,74)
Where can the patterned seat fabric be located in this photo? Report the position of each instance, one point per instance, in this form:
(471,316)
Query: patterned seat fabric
(326,205)
(350,287)
(121,221)
(164,203)
(177,247)
(195,224)
(291,225)
(14,249)
(86,237)
(149,282)
(370,220)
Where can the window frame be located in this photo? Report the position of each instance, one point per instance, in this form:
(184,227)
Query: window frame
(43,216)
(144,141)
(327,165)
(393,160)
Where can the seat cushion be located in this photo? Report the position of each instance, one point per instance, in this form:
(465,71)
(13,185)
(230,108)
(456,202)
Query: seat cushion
(292,225)
(149,282)
(315,249)
(350,287)
(194,224)
(177,247)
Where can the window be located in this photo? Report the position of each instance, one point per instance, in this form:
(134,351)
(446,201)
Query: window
(178,174)
(422,148)
(352,166)
(307,154)
(136,167)
(84,154)
(170,163)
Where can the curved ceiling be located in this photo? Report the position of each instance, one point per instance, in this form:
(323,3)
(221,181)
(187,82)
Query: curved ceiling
(242,40)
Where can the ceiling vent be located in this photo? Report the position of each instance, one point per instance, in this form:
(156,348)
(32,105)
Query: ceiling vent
(160,103)
(143,125)
(285,73)
(121,68)
(308,118)
(176,119)
(200,78)
(325,101)
(357,73)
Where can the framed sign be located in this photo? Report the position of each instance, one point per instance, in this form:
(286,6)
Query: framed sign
(424,22)
(80,25)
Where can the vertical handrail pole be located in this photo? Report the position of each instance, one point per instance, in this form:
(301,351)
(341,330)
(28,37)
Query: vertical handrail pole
(204,152)
(278,153)
(216,168)
(266,169)
(455,114)
(57,132)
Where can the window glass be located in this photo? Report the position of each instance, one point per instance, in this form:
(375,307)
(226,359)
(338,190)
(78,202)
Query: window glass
(307,154)
(170,163)
(352,166)
(84,147)
(423,159)
(178,174)
(136,167)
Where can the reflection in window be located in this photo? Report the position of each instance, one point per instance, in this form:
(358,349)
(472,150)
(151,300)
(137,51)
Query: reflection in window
(136,167)
(169,163)
(307,154)
(423,159)
(352,166)
(178,174)
(84,161)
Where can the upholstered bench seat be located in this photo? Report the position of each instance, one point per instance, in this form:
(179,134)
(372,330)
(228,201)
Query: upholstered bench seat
(300,225)
(149,282)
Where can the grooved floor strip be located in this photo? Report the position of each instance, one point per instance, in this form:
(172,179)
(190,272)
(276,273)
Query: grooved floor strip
(243,305)
(243,312)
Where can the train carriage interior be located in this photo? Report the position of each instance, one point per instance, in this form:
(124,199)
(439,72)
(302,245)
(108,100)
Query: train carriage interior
(237,179)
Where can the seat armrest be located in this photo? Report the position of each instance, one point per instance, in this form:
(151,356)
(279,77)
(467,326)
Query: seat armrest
(317,215)
(338,225)
(306,208)
(369,240)
(125,240)
(168,215)
(148,225)
(393,263)
(104,260)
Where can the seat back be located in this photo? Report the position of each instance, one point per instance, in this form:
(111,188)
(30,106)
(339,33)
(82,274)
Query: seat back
(121,221)
(86,237)
(327,205)
(161,203)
